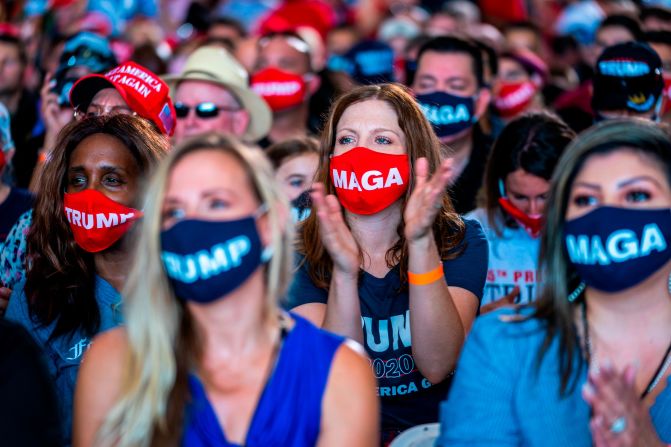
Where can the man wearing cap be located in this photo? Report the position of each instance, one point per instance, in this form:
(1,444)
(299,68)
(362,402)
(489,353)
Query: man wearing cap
(450,89)
(212,94)
(284,78)
(129,89)
(628,82)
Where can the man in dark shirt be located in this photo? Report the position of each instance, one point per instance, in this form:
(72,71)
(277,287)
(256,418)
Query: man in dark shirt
(451,90)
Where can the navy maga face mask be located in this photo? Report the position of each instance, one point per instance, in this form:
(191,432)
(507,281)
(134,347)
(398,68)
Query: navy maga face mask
(207,260)
(613,249)
(449,114)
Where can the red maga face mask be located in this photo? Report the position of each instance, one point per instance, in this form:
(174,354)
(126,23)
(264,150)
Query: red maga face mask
(280,89)
(97,221)
(513,97)
(532,223)
(367,181)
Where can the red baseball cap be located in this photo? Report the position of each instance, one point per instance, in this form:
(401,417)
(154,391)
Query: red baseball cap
(144,92)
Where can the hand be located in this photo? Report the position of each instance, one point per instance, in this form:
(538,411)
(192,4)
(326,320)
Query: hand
(54,118)
(504,301)
(426,200)
(4,299)
(335,235)
(612,396)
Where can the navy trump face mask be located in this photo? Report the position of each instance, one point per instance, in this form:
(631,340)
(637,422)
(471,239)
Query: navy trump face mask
(207,260)
(613,249)
(449,114)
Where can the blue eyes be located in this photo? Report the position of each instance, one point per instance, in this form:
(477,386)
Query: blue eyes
(638,196)
(378,140)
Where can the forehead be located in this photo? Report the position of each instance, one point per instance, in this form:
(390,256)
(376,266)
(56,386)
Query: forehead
(446,65)
(208,169)
(192,92)
(373,113)
(8,48)
(620,164)
(108,96)
(101,147)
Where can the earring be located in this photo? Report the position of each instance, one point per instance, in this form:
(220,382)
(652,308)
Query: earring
(669,285)
(580,289)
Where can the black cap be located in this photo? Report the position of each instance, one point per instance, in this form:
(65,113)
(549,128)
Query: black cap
(628,77)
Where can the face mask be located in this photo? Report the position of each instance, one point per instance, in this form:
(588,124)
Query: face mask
(613,249)
(280,89)
(97,221)
(449,114)
(367,181)
(666,94)
(513,97)
(300,207)
(207,260)
(3,160)
(532,223)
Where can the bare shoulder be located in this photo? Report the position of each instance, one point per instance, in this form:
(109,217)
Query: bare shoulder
(99,384)
(108,348)
(350,400)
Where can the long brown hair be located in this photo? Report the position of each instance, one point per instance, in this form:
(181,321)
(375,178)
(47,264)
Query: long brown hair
(559,277)
(421,141)
(60,277)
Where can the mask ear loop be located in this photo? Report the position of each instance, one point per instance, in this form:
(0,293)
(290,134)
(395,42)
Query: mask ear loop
(658,108)
(502,189)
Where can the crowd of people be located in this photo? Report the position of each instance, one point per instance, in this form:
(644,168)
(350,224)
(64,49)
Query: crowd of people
(335,223)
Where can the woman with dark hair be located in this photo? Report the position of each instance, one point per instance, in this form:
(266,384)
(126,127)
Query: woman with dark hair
(77,247)
(588,363)
(397,269)
(517,181)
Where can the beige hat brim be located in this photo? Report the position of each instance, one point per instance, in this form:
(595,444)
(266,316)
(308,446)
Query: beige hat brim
(260,115)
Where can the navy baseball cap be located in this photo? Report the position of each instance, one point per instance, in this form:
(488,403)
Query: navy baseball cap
(628,76)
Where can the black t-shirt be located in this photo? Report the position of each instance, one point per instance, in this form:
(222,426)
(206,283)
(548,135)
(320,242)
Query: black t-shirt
(408,399)
(17,202)
(465,190)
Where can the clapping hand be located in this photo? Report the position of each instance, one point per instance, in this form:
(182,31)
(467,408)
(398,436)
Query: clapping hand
(619,417)
(427,198)
(335,235)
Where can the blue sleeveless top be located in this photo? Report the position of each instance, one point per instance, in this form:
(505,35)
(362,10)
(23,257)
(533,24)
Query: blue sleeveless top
(289,410)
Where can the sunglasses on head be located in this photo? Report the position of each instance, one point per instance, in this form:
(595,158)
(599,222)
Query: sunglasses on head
(203,109)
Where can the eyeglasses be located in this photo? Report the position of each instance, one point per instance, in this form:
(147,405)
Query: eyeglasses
(203,110)
(94,110)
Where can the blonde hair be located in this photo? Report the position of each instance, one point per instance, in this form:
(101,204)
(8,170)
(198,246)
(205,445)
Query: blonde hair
(162,345)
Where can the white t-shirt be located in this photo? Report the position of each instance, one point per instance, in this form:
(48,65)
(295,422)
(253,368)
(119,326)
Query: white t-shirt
(513,260)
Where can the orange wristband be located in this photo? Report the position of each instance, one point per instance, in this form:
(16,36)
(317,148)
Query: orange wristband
(422,279)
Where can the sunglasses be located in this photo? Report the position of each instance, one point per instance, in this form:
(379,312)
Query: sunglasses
(203,109)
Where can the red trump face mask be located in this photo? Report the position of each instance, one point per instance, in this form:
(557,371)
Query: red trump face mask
(280,89)
(367,181)
(97,221)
